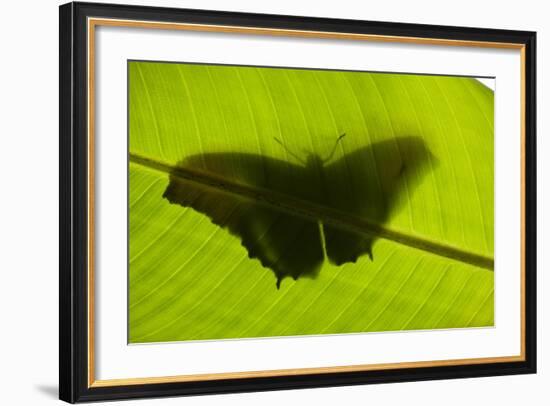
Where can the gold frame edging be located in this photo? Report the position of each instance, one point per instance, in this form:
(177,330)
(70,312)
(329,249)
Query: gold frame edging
(93,22)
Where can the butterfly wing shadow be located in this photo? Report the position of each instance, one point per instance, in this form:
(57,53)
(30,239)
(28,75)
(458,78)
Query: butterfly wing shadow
(369,183)
(287,243)
(380,180)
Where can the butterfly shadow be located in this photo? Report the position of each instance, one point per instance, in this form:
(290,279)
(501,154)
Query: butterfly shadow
(293,217)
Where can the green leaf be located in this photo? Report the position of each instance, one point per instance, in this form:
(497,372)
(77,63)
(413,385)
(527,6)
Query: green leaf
(228,196)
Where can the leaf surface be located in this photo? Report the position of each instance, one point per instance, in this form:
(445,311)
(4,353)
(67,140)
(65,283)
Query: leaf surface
(428,222)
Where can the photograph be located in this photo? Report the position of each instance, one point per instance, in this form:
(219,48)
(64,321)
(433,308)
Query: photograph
(267,202)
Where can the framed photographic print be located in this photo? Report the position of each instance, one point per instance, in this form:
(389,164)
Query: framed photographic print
(256,202)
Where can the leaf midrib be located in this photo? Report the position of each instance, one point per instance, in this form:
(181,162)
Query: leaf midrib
(316,212)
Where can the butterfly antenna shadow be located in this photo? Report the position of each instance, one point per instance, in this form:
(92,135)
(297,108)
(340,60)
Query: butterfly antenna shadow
(289,151)
(329,157)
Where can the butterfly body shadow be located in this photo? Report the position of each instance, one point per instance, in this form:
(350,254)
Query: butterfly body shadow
(280,210)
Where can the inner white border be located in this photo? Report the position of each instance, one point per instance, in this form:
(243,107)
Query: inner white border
(116,359)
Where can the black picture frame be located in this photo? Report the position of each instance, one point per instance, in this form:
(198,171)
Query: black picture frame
(74,385)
